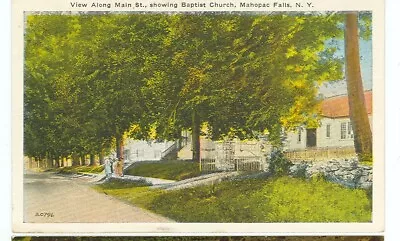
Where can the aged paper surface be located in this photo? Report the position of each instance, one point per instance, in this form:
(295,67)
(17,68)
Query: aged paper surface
(29,216)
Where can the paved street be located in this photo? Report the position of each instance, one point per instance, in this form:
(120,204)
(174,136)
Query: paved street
(50,198)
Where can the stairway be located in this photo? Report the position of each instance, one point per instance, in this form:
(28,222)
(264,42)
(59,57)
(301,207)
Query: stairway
(138,150)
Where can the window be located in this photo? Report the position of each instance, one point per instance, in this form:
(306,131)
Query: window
(343,130)
(328,130)
(346,130)
(299,136)
(350,130)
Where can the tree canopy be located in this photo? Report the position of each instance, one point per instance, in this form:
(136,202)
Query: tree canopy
(91,79)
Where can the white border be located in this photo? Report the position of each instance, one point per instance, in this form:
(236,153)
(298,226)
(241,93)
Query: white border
(5,120)
(319,5)
(392,70)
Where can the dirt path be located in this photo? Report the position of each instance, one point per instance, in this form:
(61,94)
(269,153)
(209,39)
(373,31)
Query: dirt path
(50,198)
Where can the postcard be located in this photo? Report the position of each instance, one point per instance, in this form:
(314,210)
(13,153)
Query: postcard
(198,116)
(199,238)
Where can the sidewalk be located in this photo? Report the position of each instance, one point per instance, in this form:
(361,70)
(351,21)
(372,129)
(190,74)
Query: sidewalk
(152,180)
(163,183)
(61,199)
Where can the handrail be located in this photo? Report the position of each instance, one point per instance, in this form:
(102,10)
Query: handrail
(171,148)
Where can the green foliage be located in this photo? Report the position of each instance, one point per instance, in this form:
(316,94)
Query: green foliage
(279,165)
(283,199)
(301,170)
(319,177)
(365,158)
(365,19)
(141,196)
(22,238)
(114,183)
(89,79)
(80,169)
(170,170)
(326,202)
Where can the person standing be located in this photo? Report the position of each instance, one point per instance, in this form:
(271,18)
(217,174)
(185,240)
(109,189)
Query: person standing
(115,167)
(108,168)
(119,167)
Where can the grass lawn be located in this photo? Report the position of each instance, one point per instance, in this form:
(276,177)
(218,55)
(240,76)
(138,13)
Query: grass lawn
(76,169)
(282,199)
(135,192)
(171,170)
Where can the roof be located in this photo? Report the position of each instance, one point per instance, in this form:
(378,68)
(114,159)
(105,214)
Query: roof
(338,106)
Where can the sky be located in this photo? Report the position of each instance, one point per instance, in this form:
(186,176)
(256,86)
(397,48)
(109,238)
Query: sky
(339,87)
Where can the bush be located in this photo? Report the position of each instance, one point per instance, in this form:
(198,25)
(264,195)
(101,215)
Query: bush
(300,170)
(365,159)
(279,165)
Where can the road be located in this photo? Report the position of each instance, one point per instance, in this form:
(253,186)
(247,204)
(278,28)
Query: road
(50,198)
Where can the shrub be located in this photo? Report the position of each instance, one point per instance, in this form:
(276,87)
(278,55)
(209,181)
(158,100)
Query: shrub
(279,165)
(300,170)
(319,176)
(365,159)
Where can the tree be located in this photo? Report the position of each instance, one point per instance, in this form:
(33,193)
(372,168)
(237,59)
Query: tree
(84,81)
(54,59)
(91,79)
(358,111)
(280,66)
(243,74)
(44,93)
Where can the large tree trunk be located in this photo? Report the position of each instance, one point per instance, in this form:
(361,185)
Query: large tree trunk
(60,162)
(75,159)
(57,162)
(49,162)
(92,160)
(36,162)
(195,137)
(82,160)
(120,146)
(358,111)
(30,162)
(101,157)
(40,162)
(120,154)
(65,161)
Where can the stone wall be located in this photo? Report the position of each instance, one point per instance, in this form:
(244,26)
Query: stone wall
(347,172)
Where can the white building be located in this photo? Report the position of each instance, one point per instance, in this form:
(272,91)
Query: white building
(335,127)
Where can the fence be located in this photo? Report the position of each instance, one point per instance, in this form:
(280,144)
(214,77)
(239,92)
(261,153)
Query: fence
(250,163)
(232,156)
(321,153)
(208,165)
